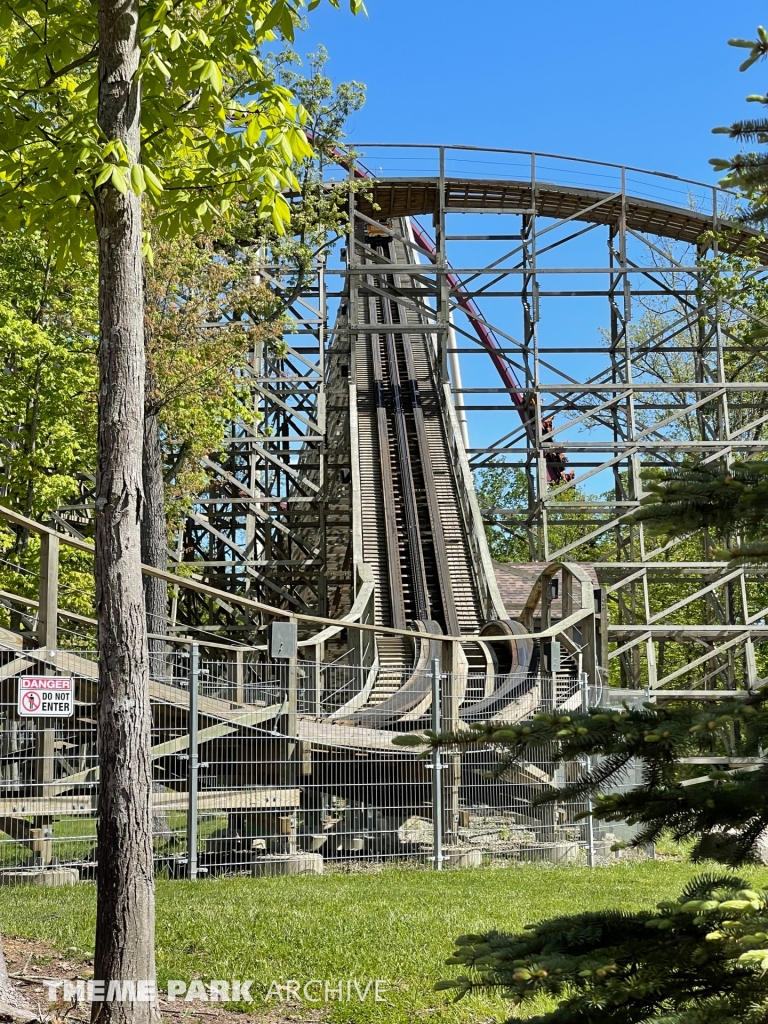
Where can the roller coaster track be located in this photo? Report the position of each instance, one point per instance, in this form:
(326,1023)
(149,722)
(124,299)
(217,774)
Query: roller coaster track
(427,573)
(428,558)
(421,561)
(484,334)
(429,563)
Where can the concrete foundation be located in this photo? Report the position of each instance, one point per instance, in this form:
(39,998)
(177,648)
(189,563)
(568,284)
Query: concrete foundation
(458,859)
(47,877)
(290,864)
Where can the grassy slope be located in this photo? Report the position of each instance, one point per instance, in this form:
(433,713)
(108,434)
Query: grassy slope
(396,925)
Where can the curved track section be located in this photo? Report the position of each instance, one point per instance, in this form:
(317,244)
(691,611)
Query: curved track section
(410,197)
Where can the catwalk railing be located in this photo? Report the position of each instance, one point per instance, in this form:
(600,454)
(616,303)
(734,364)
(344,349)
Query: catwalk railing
(272,778)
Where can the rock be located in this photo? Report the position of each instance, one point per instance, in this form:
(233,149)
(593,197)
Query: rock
(161,826)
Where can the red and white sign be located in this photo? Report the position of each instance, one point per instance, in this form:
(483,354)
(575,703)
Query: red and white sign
(46,697)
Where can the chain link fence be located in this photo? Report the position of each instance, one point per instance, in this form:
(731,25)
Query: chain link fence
(289,767)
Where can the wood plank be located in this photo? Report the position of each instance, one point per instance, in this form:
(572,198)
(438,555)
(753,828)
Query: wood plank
(172,746)
(86,672)
(15,667)
(232,799)
(260,798)
(214,732)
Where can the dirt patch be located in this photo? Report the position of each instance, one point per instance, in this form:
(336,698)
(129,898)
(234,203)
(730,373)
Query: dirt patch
(31,961)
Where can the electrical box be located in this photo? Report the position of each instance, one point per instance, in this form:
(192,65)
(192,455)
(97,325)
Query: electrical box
(552,656)
(283,638)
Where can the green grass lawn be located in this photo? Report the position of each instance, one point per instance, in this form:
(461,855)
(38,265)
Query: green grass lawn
(396,926)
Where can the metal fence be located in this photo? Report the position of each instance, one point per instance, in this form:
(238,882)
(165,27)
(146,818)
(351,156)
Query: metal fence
(289,767)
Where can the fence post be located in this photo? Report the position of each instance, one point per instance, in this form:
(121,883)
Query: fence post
(283,650)
(194,679)
(292,713)
(590,819)
(47,612)
(453,665)
(47,637)
(437,772)
(239,677)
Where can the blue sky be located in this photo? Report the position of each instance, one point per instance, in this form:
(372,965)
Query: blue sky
(635,82)
(639,82)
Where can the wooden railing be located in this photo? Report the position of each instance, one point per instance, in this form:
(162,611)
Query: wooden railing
(359,617)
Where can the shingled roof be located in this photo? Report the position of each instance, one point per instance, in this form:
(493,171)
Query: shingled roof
(516,580)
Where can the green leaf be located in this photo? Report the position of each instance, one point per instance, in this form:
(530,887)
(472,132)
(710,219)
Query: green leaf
(253,131)
(118,180)
(749,61)
(160,64)
(175,40)
(211,73)
(104,175)
(137,179)
(153,183)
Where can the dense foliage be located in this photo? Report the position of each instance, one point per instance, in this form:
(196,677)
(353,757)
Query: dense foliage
(217,127)
(698,960)
(197,371)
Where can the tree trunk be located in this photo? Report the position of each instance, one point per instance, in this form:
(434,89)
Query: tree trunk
(10,996)
(125,916)
(154,541)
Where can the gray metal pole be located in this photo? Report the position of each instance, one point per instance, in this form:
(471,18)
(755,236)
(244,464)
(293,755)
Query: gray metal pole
(437,772)
(194,679)
(590,818)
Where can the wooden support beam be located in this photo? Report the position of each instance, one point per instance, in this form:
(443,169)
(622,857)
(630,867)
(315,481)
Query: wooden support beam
(44,759)
(47,612)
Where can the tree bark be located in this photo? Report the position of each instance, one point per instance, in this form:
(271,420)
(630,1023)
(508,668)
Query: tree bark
(10,996)
(125,916)
(154,541)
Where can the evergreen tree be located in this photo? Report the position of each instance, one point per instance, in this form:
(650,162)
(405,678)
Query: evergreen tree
(749,171)
(731,502)
(699,959)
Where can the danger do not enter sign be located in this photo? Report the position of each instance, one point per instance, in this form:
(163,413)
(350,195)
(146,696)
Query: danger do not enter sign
(46,696)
